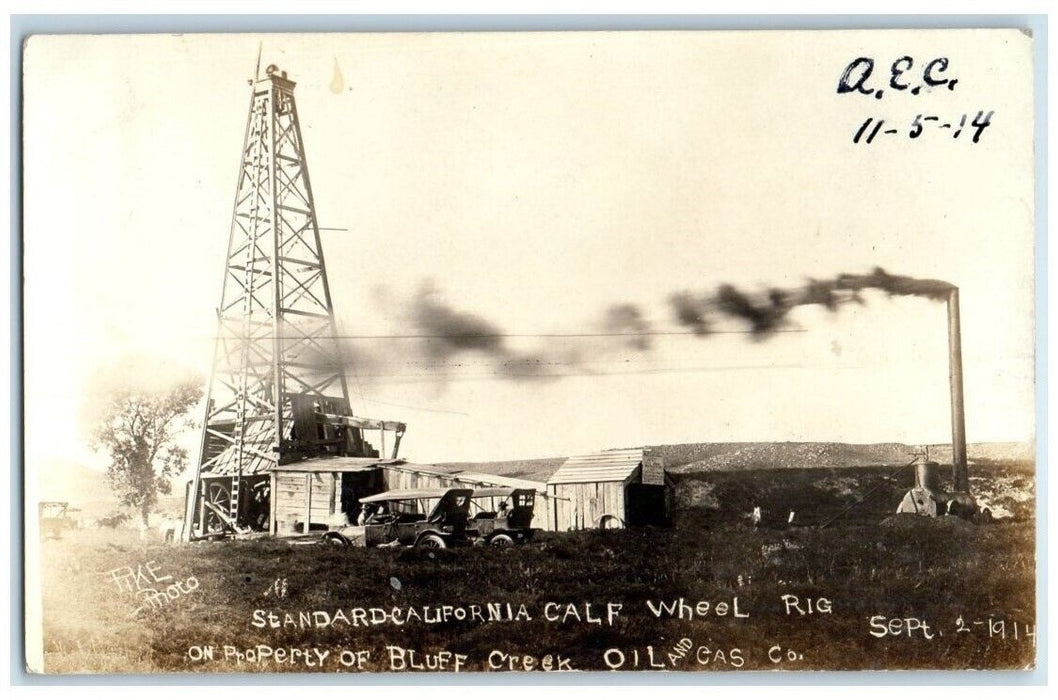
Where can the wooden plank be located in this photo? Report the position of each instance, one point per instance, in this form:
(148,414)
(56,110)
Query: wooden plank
(334,494)
(588,500)
(577,505)
(362,423)
(615,500)
(308,502)
(552,514)
(541,518)
(571,510)
(304,418)
(601,503)
(580,503)
(292,514)
(321,491)
(272,503)
(596,504)
(560,515)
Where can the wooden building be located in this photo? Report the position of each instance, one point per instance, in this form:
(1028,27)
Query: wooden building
(614,488)
(322,493)
(326,492)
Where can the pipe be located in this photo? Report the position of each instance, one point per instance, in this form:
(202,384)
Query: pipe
(958,415)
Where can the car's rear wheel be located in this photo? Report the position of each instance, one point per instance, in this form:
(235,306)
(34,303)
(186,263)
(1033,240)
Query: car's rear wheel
(335,540)
(501,540)
(431,542)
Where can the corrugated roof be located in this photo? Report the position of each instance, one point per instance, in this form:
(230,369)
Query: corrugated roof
(610,465)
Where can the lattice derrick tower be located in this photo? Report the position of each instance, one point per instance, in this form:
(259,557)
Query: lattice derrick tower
(277,365)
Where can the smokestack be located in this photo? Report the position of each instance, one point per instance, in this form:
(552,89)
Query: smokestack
(958,416)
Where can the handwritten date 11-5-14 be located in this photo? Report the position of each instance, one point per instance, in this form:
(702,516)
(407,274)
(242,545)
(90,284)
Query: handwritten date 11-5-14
(908,78)
(871,127)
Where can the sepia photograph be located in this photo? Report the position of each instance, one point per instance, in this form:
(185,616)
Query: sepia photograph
(529,352)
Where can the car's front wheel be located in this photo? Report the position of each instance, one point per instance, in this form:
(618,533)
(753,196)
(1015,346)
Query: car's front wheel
(431,542)
(501,540)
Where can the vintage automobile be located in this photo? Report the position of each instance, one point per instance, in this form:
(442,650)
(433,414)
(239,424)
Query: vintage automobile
(504,516)
(429,518)
(54,518)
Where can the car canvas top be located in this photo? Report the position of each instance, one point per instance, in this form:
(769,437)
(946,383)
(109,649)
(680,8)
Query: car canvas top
(404,495)
(493,492)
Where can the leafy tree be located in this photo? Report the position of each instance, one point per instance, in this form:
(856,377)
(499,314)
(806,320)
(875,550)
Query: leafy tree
(143,412)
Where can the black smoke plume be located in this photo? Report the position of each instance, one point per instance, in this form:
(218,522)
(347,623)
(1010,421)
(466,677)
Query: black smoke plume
(445,334)
(446,331)
(691,312)
(626,321)
(436,340)
(767,312)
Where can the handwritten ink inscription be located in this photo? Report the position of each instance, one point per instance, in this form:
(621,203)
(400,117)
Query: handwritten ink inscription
(872,127)
(858,77)
(905,77)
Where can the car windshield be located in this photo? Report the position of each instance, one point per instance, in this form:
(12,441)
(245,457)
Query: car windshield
(407,506)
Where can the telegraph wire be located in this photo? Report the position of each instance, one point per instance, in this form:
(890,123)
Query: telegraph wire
(415,408)
(449,336)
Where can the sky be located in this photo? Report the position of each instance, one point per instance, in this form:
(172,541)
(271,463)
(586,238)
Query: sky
(535,181)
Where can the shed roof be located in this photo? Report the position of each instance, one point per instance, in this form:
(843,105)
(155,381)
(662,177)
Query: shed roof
(487,480)
(406,495)
(335,464)
(610,465)
(425,469)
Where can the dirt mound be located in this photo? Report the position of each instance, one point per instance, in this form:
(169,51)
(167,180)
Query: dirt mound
(697,494)
(706,457)
(724,456)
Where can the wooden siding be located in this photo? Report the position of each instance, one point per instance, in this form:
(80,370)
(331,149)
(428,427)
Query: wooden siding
(291,495)
(585,504)
(296,493)
(401,479)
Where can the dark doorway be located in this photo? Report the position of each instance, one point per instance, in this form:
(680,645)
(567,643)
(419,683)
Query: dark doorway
(357,485)
(647,505)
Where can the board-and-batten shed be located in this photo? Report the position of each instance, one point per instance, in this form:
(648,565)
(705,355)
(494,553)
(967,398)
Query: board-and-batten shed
(613,488)
(326,492)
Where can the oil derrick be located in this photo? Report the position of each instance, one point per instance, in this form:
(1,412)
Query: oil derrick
(277,391)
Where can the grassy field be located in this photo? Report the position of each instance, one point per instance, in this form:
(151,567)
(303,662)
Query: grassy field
(877,592)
